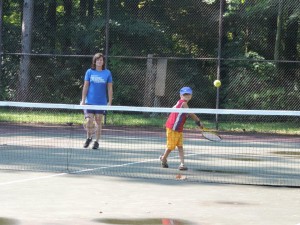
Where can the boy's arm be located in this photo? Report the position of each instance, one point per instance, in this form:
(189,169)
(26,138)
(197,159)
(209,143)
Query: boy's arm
(193,116)
(196,119)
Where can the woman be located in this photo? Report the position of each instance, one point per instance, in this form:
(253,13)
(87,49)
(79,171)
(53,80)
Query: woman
(97,83)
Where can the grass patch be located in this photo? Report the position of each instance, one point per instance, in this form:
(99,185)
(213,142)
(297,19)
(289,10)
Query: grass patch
(262,127)
(75,117)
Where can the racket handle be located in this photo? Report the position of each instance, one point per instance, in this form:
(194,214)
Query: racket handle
(199,124)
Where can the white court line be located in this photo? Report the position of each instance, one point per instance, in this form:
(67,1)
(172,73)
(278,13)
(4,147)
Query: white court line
(31,179)
(126,164)
(82,171)
(62,174)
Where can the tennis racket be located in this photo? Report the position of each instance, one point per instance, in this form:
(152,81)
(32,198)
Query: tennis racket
(210,135)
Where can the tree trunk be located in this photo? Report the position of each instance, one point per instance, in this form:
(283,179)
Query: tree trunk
(91,9)
(67,22)
(291,40)
(1,21)
(279,31)
(290,52)
(1,50)
(271,37)
(82,9)
(52,24)
(26,49)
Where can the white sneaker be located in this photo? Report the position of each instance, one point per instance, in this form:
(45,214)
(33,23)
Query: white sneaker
(182,167)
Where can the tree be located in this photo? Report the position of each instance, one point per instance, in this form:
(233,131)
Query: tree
(52,26)
(278,31)
(26,49)
(67,42)
(1,16)
(185,29)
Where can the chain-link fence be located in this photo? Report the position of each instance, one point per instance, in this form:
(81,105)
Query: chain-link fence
(154,48)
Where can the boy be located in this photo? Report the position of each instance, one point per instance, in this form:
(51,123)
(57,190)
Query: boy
(174,128)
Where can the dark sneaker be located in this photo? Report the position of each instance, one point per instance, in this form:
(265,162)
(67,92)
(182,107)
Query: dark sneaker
(87,142)
(96,145)
(164,164)
(182,167)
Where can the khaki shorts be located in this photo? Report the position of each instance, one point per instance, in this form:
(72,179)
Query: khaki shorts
(174,139)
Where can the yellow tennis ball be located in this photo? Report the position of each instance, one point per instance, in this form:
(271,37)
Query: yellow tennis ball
(217,83)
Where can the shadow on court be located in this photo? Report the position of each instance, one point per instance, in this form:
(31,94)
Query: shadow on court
(31,198)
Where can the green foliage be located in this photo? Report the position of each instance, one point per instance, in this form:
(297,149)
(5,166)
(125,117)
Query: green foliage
(177,28)
(9,80)
(261,67)
(253,84)
(128,78)
(209,1)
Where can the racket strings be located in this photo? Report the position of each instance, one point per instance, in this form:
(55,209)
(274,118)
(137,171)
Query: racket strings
(211,136)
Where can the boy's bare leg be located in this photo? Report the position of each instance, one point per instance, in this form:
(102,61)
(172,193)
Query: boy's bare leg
(165,155)
(181,154)
(163,158)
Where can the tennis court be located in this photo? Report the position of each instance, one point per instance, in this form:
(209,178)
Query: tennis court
(32,198)
(240,158)
(47,177)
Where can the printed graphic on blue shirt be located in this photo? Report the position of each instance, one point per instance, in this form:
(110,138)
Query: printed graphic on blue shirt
(96,79)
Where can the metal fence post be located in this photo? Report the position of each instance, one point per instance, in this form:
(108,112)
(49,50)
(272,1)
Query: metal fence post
(219,59)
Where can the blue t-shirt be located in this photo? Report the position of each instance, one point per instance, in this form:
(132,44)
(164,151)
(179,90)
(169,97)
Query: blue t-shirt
(98,83)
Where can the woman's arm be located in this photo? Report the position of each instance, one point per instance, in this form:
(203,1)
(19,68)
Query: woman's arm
(110,93)
(84,92)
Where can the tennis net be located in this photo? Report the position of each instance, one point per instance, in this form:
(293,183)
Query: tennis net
(258,147)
